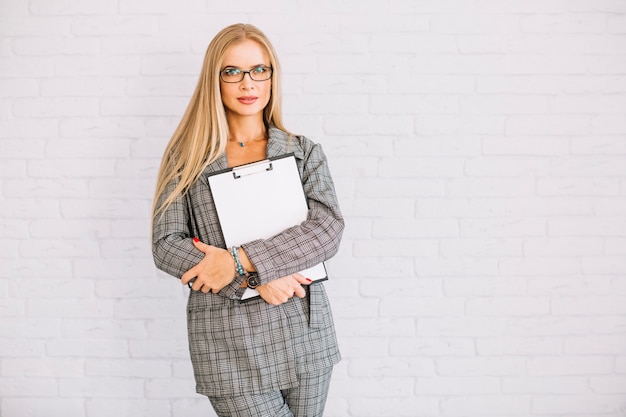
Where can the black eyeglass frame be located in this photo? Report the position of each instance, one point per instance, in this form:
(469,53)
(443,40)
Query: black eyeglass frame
(249,72)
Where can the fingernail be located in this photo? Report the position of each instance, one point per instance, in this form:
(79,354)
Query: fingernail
(195,239)
(308,280)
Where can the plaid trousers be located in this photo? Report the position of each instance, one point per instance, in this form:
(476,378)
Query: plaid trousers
(306,400)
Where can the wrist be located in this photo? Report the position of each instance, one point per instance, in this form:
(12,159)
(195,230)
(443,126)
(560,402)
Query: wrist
(239,269)
(245,261)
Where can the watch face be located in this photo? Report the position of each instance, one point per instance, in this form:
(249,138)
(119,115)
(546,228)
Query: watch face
(253,281)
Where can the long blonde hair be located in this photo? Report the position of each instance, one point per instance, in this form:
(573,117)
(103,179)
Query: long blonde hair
(202,133)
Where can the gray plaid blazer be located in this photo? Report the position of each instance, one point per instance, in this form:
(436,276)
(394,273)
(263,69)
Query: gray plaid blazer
(252,347)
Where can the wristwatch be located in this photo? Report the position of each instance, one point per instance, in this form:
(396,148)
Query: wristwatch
(253,280)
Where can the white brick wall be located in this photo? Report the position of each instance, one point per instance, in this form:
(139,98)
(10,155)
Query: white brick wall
(479,150)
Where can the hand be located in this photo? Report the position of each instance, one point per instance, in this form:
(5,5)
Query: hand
(212,273)
(280,290)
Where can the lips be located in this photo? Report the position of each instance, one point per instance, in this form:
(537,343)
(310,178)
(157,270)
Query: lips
(247,99)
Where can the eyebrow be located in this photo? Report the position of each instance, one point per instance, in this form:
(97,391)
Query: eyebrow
(253,66)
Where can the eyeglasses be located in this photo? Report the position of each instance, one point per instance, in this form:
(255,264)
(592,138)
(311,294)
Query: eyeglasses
(235,75)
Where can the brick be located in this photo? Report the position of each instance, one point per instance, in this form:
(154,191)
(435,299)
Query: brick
(21,135)
(161,7)
(548,206)
(460,207)
(435,125)
(549,326)
(161,349)
(389,247)
(483,286)
(391,367)
(148,309)
(431,346)
(68,7)
(603,145)
(26,25)
(72,348)
(587,226)
(53,407)
(127,407)
(102,127)
(506,167)
(520,346)
(351,308)
(13,169)
(101,387)
(616,24)
(487,405)
(450,386)
(102,328)
(596,345)
(420,167)
(481,247)
(534,266)
(552,124)
(19,87)
(329,84)
(363,347)
(63,308)
(392,228)
(503,227)
(577,187)
(608,385)
(489,187)
(46,368)
(526,145)
(568,285)
(576,404)
(427,307)
(368,327)
(503,104)
(461,328)
(372,187)
(127,368)
(564,23)
(508,306)
(389,125)
(53,107)
(48,288)
(411,287)
(571,365)
(97,66)
(400,406)
(374,388)
(545,385)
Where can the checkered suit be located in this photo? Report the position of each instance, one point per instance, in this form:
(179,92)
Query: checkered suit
(253,348)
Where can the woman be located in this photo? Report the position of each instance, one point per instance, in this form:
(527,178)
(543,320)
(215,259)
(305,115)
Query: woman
(271,356)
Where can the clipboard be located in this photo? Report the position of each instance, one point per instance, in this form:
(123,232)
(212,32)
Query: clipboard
(275,188)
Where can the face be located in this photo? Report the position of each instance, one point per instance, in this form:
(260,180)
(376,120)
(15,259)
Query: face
(246,98)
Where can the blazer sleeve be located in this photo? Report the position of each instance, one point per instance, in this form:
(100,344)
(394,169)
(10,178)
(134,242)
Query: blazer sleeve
(172,243)
(313,241)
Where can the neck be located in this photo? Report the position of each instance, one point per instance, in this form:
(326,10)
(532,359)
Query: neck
(244,130)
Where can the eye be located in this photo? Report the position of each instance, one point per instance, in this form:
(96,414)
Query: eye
(231,72)
(259,70)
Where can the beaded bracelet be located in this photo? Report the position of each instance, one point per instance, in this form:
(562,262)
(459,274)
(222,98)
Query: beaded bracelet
(240,270)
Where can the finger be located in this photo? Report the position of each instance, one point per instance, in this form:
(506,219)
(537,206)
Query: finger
(299,291)
(188,276)
(199,245)
(205,289)
(197,285)
(301,279)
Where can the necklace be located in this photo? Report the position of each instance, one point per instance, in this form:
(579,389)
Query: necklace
(242,144)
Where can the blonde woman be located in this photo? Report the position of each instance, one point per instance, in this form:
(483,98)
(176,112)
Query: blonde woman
(271,356)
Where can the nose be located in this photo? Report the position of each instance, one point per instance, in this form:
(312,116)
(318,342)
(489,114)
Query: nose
(247,82)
